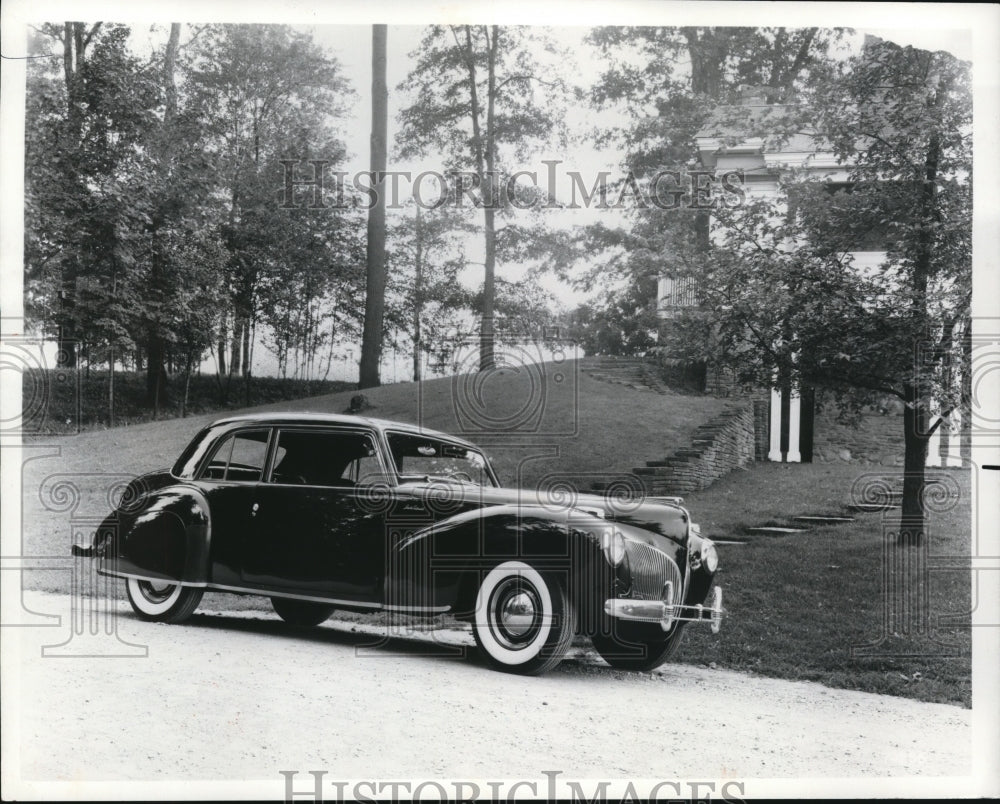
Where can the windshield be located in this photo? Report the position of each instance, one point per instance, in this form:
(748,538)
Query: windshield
(418,457)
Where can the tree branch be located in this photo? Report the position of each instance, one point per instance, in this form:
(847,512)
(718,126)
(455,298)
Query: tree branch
(90,35)
(525,77)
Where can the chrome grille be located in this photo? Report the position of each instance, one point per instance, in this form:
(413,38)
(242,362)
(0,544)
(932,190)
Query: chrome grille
(651,569)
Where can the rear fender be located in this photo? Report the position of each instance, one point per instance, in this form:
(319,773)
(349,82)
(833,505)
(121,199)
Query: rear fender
(165,535)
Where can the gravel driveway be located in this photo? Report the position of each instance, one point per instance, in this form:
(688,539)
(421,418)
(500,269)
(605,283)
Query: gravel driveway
(241,695)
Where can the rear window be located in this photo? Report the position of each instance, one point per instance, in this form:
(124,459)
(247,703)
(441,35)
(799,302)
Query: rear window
(240,457)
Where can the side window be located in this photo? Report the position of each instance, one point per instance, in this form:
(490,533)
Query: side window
(365,471)
(333,458)
(239,457)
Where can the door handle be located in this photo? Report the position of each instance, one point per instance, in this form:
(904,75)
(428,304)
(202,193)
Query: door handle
(254,509)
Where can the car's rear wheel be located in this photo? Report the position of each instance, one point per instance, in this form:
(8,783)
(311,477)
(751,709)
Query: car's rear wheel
(638,647)
(162,601)
(301,612)
(523,620)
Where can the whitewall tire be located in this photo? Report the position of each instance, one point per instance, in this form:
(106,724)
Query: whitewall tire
(162,601)
(523,619)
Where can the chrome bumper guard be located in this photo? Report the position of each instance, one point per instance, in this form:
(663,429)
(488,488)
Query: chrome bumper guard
(666,614)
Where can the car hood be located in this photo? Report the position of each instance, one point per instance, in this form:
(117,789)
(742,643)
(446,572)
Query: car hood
(663,516)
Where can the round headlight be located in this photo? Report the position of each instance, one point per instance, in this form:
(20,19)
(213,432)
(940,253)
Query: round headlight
(709,555)
(613,544)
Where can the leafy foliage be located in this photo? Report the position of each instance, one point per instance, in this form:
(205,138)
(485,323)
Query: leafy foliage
(670,83)
(154,196)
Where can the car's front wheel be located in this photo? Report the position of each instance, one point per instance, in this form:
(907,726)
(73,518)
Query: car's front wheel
(301,612)
(524,621)
(162,601)
(640,647)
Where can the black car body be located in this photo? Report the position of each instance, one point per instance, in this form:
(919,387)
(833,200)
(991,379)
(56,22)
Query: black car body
(320,512)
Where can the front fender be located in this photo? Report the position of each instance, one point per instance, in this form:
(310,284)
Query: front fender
(165,535)
(439,566)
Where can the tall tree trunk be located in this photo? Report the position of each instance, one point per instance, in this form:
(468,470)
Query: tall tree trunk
(169,84)
(418,292)
(187,383)
(916,441)
(371,342)
(248,337)
(66,344)
(73,58)
(487,356)
(223,338)
(111,386)
(916,395)
(483,146)
(236,342)
(155,350)
(156,375)
(246,347)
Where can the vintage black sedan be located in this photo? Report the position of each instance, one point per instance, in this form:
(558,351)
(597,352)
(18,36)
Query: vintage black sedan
(322,512)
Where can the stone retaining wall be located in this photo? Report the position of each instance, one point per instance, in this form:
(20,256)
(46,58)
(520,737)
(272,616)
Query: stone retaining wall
(719,446)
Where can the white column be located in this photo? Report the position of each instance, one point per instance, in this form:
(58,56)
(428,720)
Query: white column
(934,447)
(794,414)
(775,450)
(955,438)
(662,290)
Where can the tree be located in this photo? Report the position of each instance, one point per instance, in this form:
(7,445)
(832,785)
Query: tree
(670,82)
(181,277)
(427,298)
(154,193)
(86,128)
(479,94)
(782,293)
(266,93)
(371,343)
(902,118)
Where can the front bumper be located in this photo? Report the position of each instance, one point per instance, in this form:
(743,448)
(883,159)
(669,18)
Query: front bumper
(666,614)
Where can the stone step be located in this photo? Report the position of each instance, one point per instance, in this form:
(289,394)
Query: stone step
(650,471)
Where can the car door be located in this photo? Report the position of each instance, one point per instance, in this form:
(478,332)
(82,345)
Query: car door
(315,528)
(229,479)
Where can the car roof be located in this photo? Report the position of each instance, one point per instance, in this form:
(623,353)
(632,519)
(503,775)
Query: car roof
(335,418)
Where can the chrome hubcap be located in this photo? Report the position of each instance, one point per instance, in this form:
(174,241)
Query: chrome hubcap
(156,591)
(518,614)
(515,613)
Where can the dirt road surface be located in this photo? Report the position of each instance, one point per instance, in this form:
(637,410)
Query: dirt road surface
(241,695)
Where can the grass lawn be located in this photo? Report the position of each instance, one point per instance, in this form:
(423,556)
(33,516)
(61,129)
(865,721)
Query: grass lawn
(798,603)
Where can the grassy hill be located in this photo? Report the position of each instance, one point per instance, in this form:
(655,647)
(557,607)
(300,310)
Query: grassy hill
(532,421)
